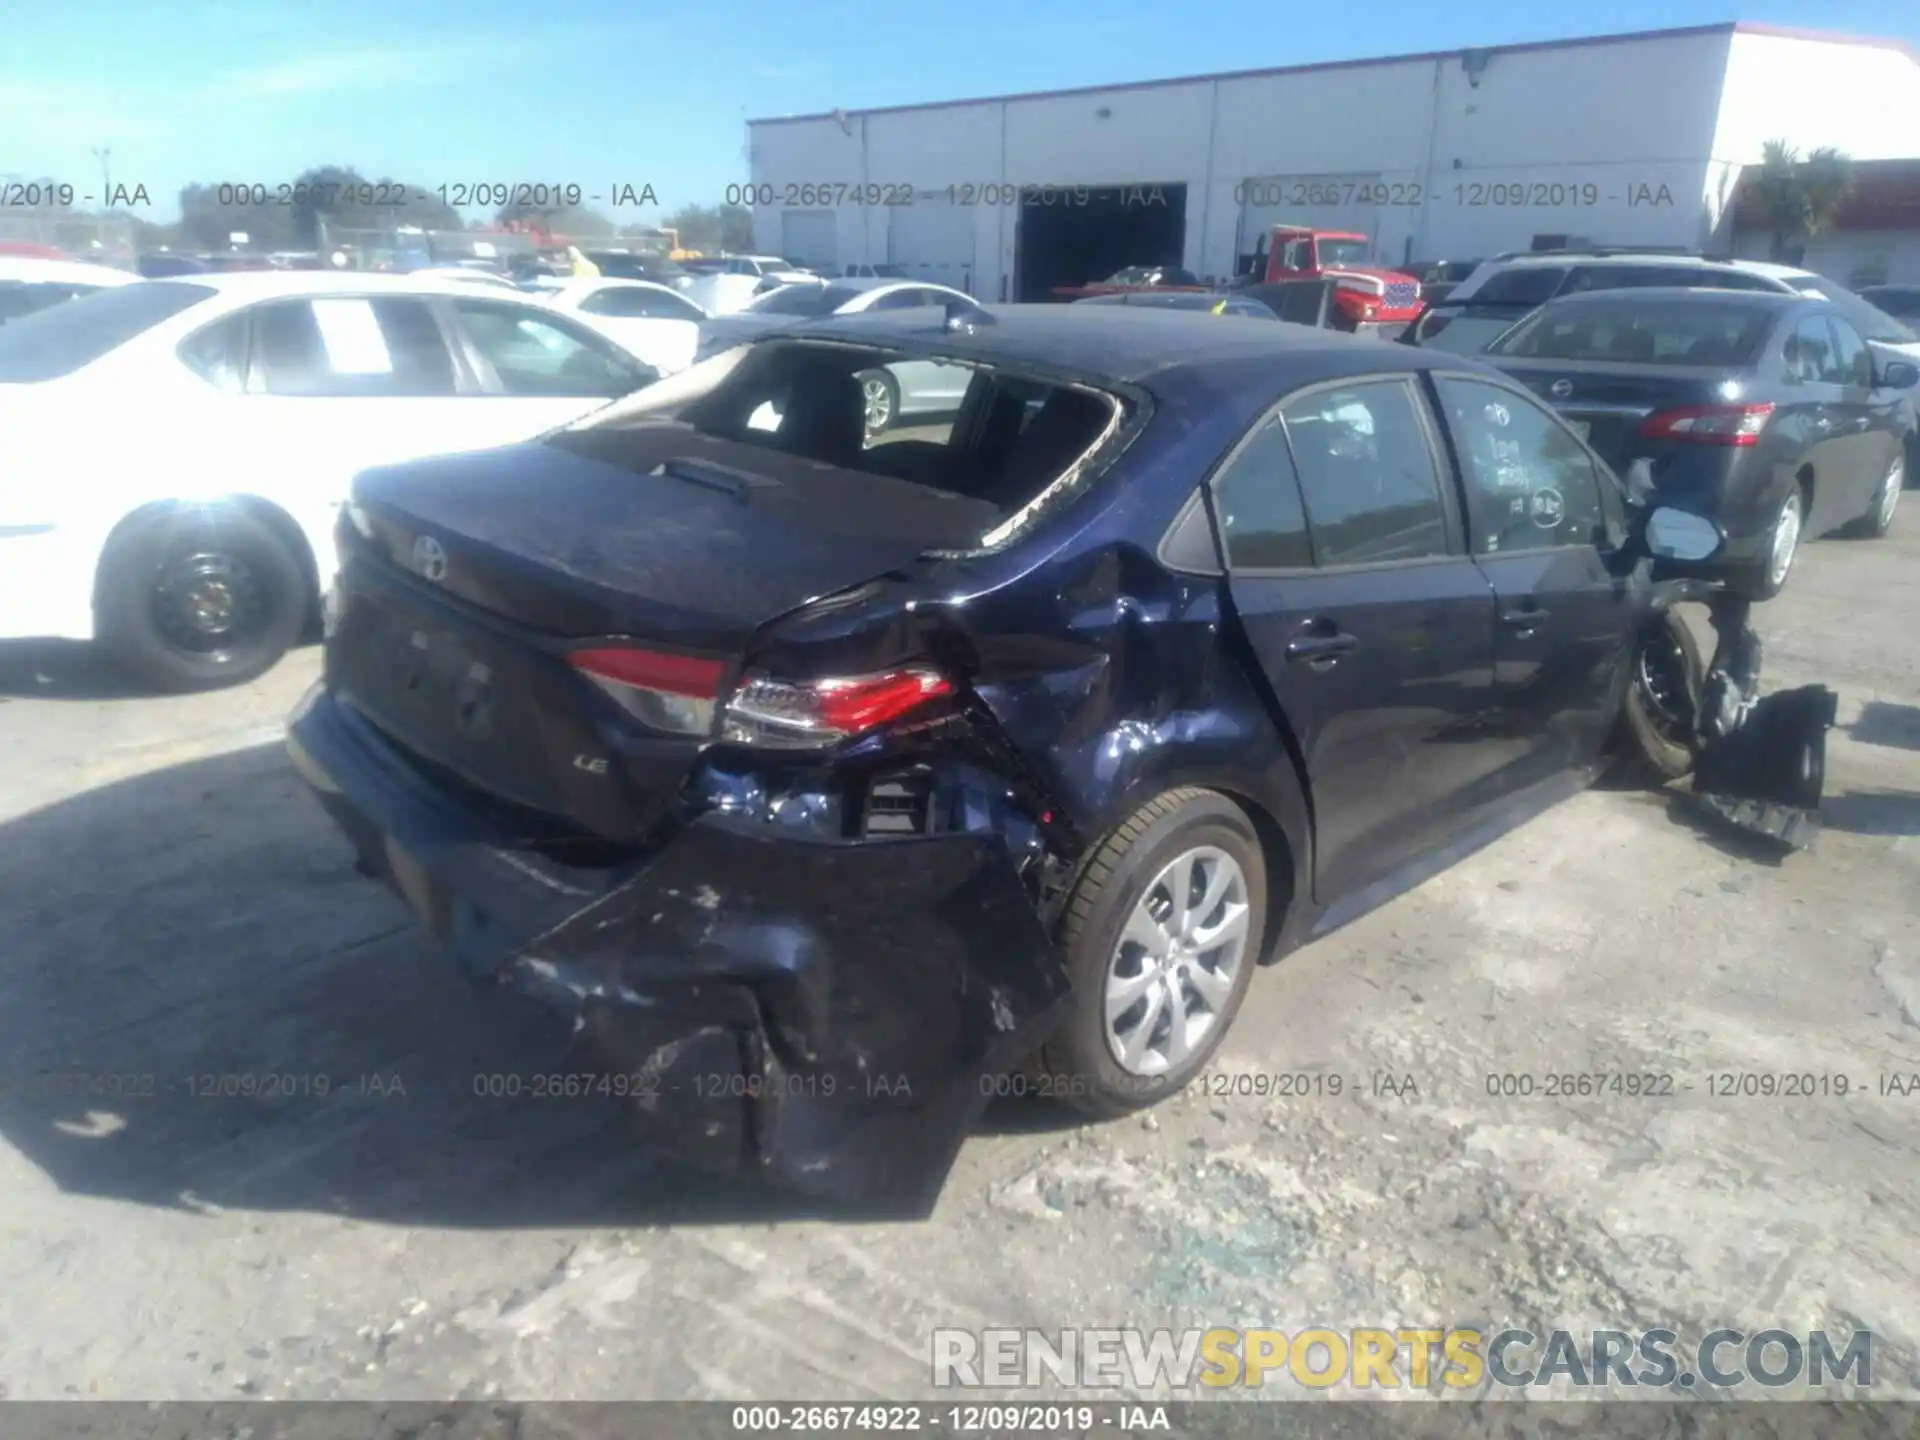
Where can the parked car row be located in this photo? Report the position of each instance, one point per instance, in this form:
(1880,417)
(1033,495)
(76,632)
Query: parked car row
(1766,396)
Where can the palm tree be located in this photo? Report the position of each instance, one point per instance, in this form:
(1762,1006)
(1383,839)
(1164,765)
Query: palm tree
(1798,199)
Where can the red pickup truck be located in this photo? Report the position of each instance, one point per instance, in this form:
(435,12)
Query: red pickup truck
(1368,296)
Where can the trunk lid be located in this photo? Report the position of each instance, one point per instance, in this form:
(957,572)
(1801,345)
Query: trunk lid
(1610,399)
(470,578)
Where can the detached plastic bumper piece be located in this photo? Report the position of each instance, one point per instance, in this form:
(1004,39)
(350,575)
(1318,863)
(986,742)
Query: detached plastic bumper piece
(1766,777)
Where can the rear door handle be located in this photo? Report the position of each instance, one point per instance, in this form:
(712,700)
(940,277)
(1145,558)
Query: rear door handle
(1322,650)
(1523,621)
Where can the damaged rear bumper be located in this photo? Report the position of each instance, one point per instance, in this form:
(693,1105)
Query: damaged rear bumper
(826,1013)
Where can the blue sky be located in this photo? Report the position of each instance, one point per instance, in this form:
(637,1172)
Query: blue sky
(598,93)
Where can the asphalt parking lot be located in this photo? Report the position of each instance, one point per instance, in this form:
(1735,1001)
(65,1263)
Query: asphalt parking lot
(174,910)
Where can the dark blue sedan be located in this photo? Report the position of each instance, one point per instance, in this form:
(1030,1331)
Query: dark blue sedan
(827,781)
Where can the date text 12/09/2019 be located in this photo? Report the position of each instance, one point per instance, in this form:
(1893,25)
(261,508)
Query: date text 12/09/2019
(1468,194)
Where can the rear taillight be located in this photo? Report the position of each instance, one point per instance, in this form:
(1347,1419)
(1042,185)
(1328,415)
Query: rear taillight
(1709,424)
(810,714)
(663,691)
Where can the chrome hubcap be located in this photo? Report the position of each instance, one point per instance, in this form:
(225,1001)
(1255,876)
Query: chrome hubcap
(1890,489)
(879,403)
(1786,539)
(1173,971)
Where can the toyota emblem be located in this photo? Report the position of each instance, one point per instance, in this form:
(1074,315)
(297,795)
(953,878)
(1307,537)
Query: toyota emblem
(1561,389)
(430,558)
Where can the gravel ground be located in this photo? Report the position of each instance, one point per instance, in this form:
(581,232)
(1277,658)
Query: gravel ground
(173,906)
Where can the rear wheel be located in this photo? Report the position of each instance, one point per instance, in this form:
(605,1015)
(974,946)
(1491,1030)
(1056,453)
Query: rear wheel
(1161,937)
(193,599)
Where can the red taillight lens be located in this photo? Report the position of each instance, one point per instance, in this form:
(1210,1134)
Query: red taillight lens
(807,714)
(1709,424)
(660,690)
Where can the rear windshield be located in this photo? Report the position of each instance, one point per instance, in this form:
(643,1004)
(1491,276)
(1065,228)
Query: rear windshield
(804,300)
(58,341)
(1523,285)
(1460,332)
(23,297)
(1648,331)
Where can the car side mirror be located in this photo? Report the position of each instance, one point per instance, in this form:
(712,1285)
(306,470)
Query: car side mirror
(1681,535)
(1899,374)
(1639,481)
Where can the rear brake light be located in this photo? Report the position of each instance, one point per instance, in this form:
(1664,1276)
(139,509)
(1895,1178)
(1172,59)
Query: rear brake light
(663,691)
(1709,424)
(809,714)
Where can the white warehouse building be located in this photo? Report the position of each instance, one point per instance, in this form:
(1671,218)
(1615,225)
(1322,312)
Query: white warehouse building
(1621,139)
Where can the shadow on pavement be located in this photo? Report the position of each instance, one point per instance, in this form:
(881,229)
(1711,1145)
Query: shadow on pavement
(60,670)
(202,1004)
(1882,722)
(1872,812)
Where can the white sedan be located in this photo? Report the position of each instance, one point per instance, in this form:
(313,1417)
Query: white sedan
(896,394)
(658,324)
(27,285)
(174,453)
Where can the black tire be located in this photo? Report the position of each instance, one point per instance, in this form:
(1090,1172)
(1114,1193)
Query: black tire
(143,615)
(879,389)
(1877,519)
(1077,1063)
(1663,698)
(1757,582)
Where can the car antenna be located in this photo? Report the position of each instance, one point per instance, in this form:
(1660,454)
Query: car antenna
(966,315)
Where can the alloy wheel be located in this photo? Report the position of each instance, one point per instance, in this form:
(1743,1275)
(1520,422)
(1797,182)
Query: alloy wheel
(1172,973)
(879,403)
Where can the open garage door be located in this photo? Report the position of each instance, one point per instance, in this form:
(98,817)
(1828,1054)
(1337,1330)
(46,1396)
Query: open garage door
(932,239)
(1077,235)
(810,238)
(1324,202)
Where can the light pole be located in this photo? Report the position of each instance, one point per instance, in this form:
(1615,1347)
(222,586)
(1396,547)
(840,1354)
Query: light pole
(104,154)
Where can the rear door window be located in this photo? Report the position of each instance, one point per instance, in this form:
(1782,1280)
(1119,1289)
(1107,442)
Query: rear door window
(345,346)
(1850,355)
(1367,473)
(1811,358)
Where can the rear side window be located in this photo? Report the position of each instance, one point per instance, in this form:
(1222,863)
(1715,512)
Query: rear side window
(1715,332)
(341,346)
(19,298)
(1523,285)
(1367,474)
(217,353)
(58,340)
(1257,500)
(540,354)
